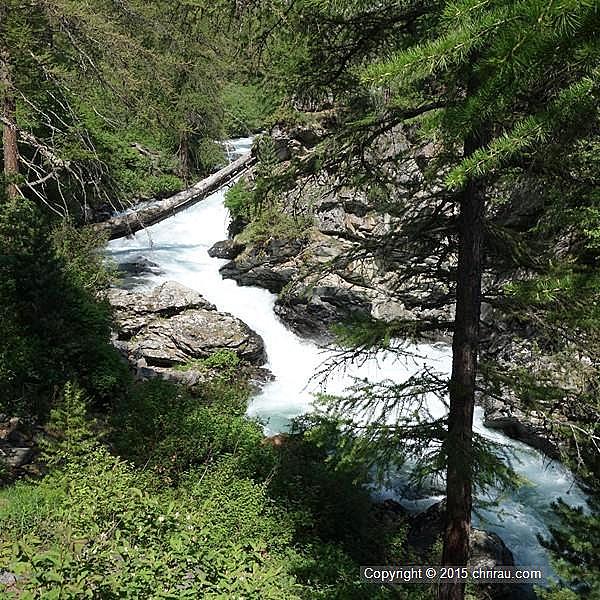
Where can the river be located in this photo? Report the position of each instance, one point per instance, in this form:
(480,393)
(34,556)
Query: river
(180,244)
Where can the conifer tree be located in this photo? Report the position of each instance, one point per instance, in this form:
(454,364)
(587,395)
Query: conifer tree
(497,85)
(510,77)
(77,79)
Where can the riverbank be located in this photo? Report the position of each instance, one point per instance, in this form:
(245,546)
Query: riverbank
(181,250)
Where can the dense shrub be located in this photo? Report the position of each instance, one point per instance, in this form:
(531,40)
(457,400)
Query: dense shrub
(231,524)
(162,426)
(94,530)
(239,199)
(53,327)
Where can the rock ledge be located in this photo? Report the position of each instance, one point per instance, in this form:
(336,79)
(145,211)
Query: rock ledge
(172,325)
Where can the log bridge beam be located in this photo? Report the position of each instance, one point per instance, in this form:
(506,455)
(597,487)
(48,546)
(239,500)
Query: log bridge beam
(128,224)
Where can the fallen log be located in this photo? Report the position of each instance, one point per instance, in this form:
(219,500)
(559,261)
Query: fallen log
(136,220)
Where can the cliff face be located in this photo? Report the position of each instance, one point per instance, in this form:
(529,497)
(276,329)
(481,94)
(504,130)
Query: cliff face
(350,261)
(384,250)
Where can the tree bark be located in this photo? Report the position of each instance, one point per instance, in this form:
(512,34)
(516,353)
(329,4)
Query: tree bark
(184,156)
(465,346)
(9,128)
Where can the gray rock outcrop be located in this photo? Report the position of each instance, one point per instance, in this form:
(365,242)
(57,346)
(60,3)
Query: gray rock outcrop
(227,249)
(172,325)
(17,445)
(340,265)
(271,266)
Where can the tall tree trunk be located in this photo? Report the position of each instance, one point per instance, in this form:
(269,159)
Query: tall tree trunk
(184,156)
(9,128)
(465,345)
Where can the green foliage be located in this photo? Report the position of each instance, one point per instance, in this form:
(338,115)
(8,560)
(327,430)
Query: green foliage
(242,520)
(414,441)
(151,423)
(239,199)
(248,199)
(220,366)
(258,202)
(226,360)
(247,109)
(53,326)
(69,430)
(499,52)
(272,223)
(310,483)
(506,94)
(574,544)
(223,359)
(138,165)
(566,296)
(102,534)
(116,101)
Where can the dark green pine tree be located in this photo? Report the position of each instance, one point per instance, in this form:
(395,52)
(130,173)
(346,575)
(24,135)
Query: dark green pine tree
(499,87)
(508,78)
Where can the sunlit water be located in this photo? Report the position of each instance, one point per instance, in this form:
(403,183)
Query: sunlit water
(180,244)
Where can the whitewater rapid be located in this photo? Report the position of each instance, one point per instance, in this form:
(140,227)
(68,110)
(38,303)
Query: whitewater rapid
(180,246)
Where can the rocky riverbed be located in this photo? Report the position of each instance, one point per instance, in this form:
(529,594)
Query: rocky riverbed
(351,263)
(180,248)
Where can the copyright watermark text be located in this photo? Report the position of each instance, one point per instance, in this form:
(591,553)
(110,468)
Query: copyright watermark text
(429,574)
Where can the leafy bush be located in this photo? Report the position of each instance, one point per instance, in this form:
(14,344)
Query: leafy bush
(273,223)
(53,327)
(99,527)
(222,359)
(221,366)
(240,201)
(162,426)
(69,430)
(136,175)
(103,534)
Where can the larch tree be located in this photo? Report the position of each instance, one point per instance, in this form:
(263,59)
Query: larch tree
(494,85)
(52,54)
(8,109)
(509,78)
(77,81)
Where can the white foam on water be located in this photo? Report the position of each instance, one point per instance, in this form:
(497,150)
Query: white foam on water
(180,246)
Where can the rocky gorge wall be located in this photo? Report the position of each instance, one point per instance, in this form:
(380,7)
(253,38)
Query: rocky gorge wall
(357,261)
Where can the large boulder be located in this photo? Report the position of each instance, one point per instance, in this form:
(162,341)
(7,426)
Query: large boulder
(135,310)
(137,271)
(173,325)
(196,333)
(165,300)
(271,277)
(228,249)
(140,265)
(269,266)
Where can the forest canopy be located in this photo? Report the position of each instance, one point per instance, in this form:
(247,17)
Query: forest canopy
(423,172)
